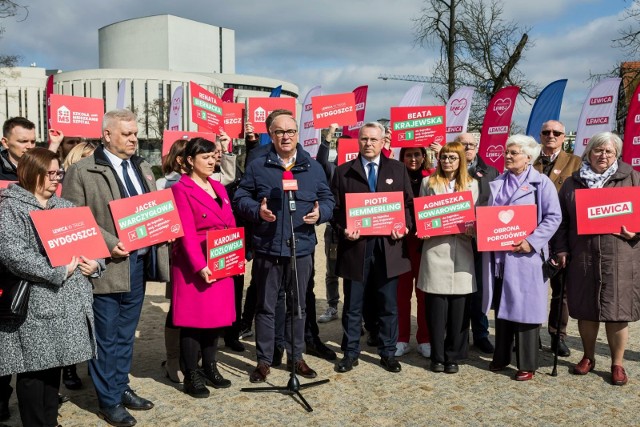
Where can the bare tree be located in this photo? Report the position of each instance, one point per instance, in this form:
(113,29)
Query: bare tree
(8,9)
(155,117)
(478,48)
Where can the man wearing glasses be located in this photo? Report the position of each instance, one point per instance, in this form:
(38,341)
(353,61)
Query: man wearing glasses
(261,200)
(558,166)
(484,174)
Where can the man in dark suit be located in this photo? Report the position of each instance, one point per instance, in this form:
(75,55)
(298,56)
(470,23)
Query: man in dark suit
(558,165)
(370,265)
(114,172)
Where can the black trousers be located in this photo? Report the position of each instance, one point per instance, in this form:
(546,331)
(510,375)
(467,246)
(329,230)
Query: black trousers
(194,340)
(232,332)
(526,337)
(556,283)
(448,323)
(38,397)
(311,329)
(5,388)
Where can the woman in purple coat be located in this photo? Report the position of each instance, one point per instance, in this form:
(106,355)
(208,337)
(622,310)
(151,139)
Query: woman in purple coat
(516,289)
(201,306)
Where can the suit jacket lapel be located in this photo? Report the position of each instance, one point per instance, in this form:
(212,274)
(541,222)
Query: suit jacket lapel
(204,199)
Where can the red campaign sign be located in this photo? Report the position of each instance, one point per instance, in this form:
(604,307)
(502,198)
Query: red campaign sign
(225,252)
(69,232)
(206,108)
(606,210)
(443,214)
(77,116)
(5,184)
(146,219)
(328,109)
(259,108)
(169,137)
(375,214)
(418,126)
(496,125)
(499,227)
(233,123)
(348,149)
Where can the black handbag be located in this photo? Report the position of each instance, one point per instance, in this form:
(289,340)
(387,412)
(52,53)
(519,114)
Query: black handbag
(14,298)
(549,268)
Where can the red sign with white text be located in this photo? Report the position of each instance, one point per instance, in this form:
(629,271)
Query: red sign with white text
(206,108)
(169,137)
(500,227)
(77,116)
(328,109)
(69,232)
(606,210)
(146,219)
(233,123)
(348,149)
(375,214)
(418,126)
(225,252)
(259,108)
(443,214)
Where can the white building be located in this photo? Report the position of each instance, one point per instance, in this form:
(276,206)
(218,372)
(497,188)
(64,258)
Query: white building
(153,56)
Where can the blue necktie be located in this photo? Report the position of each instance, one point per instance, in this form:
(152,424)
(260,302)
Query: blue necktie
(372,177)
(131,189)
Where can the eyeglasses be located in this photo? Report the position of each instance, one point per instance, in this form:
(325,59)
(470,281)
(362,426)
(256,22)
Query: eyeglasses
(470,146)
(280,132)
(556,133)
(59,174)
(445,158)
(599,152)
(512,153)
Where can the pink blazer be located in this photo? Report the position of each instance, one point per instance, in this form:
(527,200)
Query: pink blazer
(196,303)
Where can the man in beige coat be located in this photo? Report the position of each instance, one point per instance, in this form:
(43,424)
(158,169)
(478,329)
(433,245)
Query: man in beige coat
(558,165)
(114,172)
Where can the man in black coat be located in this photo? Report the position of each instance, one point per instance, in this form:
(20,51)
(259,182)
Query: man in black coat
(370,264)
(484,174)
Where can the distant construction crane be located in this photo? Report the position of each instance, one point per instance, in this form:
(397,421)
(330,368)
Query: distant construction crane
(408,77)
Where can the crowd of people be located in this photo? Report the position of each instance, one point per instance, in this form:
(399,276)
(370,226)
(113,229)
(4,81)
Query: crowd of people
(88,310)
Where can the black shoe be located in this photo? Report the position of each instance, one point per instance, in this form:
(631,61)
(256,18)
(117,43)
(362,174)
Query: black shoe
(436,367)
(278,352)
(117,416)
(484,345)
(134,402)
(234,345)
(213,377)
(62,399)
(372,339)
(4,410)
(70,378)
(319,349)
(194,386)
(390,364)
(451,368)
(346,364)
(563,350)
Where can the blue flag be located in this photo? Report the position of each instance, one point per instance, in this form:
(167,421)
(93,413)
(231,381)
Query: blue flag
(275,93)
(546,107)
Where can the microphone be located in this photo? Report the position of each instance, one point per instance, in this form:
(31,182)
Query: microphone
(289,185)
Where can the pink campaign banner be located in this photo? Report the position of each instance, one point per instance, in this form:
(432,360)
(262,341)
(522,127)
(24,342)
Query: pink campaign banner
(598,112)
(361,106)
(631,143)
(495,129)
(457,111)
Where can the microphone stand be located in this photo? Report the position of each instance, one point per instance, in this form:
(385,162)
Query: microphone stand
(293,385)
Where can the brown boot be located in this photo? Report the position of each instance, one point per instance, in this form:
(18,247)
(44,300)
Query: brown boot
(172,364)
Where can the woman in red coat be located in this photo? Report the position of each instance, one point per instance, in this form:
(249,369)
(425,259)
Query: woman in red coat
(201,306)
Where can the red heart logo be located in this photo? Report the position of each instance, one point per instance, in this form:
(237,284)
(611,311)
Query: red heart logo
(501,106)
(458,105)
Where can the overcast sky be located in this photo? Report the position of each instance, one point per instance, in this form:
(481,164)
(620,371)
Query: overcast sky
(337,44)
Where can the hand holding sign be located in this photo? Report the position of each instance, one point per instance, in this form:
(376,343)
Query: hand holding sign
(522,247)
(119,251)
(205,273)
(87,266)
(625,234)
(71,267)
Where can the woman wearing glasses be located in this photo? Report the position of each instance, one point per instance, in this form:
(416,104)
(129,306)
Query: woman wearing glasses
(447,274)
(514,286)
(58,329)
(602,269)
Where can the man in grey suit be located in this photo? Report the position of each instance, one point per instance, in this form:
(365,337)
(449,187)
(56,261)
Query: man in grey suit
(114,172)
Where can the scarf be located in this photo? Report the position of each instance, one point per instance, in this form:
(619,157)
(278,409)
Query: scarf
(594,179)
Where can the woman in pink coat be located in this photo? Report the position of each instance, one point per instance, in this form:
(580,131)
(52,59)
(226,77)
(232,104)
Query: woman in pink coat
(201,306)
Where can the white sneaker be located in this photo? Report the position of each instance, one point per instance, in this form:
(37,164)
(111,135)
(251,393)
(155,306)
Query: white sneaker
(425,349)
(329,315)
(402,348)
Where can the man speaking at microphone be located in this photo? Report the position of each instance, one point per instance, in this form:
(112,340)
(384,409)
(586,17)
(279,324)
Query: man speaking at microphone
(262,200)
